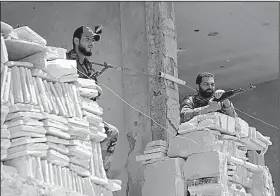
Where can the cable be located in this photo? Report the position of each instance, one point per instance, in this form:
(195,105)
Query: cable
(139,110)
(257,119)
(123,69)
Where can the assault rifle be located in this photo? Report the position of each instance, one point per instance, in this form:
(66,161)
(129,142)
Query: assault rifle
(231,93)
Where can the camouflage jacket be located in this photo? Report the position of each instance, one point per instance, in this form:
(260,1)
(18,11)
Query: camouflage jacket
(83,69)
(192,106)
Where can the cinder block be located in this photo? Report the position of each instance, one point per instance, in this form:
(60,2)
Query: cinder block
(209,164)
(194,143)
(262,183)
(164,178)
(215,120)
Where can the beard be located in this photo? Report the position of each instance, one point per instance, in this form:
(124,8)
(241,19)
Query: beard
(208,93)
(84,51)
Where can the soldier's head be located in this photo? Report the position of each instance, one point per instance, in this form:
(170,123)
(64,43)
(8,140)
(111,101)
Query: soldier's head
(84,39)
(206,84)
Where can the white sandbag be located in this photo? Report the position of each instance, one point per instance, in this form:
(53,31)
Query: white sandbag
(83,144)
(80,170)
(31,147)
(4,52)
(65,67)
(6,28)
(69,78)
(38,60)
(4,74)
(86,83)
(24,121)
(26,140)
(27,34)
(55,118)
(19,64)
(79,151)
(22,164)
(5,133)
(34,115)
(58,147)
(26,134)
(4,113)
(75,95)
(17,86)
(78,122)
(88,93)
(5,97)
(93,119)
(57,140)
(55,53)
(27,128)
(66,89)
(21,153)
(57,133)
(19,49)
(5,144)
(57,158)
(41,74)
(80,161)
(81,134)
(91,108)
(21,107)
(55,124)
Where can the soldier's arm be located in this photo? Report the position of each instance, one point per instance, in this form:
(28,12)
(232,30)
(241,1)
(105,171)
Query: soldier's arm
(188,111)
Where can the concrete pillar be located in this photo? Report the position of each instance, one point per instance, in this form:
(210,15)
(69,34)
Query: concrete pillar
(162,56)
(135,91)
(149,45)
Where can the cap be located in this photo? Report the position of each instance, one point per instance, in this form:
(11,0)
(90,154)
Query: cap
(87,31)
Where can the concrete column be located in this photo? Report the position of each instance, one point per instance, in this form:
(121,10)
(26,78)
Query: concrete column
(162,54)
(135,91)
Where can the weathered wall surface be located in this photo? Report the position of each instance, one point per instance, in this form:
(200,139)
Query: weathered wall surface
(135,87)
(263,103)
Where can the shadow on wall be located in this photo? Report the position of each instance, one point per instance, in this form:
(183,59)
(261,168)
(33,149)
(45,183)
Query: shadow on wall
(263,103)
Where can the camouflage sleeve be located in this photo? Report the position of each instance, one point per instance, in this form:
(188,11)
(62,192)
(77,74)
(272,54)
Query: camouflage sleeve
(188,111)
(230,111)
(108,145)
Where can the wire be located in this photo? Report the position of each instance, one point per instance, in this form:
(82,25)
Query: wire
(174,135)
(257,119)
(123,69)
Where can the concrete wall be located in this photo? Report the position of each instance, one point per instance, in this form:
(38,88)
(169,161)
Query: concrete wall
(263,103)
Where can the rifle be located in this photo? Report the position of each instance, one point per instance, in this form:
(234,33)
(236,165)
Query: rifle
(105,65)
(231,93)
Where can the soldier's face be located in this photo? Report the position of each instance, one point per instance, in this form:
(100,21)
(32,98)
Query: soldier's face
(86,44)
(207,87)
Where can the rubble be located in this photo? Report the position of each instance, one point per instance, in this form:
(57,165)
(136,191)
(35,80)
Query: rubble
(50,139)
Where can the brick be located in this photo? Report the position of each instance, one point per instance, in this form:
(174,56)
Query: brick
(171,182)
(214,120)
(262,183)
(209,164)
(157,143)
(154,150)
(193,143)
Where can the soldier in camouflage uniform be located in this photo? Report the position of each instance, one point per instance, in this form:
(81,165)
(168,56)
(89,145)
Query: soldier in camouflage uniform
(84,39)
(202,102)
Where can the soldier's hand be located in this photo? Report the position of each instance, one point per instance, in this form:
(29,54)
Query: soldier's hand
(214,106)
(218,93)
(226,103)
